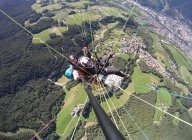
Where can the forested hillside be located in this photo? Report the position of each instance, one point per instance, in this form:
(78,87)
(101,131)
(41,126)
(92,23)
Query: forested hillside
(22,61)
(174,8)
(28,100)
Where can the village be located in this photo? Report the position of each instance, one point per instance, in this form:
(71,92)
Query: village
(177,31)
(132,46)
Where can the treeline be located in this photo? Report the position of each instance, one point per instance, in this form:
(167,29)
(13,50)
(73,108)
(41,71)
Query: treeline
(19,136)
(131,23)
(39,101)
(41,25)
(145,69)
(170,54)
(71,84)
(180,80)
(186,103)
(21,62)
(95,132)
(175,76)
(71,42)
(181,106)
(170,85)
(35,17)
(119,63)
(148,40)
(86,111)
(72,0)
(129,69)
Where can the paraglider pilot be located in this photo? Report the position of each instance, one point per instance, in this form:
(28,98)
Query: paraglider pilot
(84,66)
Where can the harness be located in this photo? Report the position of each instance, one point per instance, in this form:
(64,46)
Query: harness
(86,62)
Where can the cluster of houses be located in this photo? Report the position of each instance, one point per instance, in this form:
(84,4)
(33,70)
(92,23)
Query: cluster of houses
(151,62)
(153,86)
(164,108)
(76,111)
(131,46)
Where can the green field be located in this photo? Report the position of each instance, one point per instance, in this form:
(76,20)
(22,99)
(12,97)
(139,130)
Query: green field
(74,97)
(156,42)
(119,33)
(108,11)
(161,58)
(190,113)
(139,78)
(140,21)
(77,96)
(180,104)
(113,41)
(78,4)
(44,35)
(78,18)
(179,58)
(37,7)
(60,15)
(163,100)
(185,74)
(112,25)
(123,99)
(124,56)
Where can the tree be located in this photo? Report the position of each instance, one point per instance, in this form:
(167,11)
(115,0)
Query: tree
(86,111)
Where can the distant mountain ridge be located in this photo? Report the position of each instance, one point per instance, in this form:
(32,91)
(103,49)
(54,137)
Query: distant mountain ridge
(176,8)
(184,6)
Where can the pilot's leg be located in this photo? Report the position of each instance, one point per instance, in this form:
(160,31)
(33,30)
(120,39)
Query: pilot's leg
(116,71)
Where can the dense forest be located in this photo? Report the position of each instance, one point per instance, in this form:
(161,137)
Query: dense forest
(39,101)
(41,25)
(131,23)
(27,98)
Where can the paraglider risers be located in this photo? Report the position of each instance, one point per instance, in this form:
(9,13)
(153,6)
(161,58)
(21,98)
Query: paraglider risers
(109,129)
